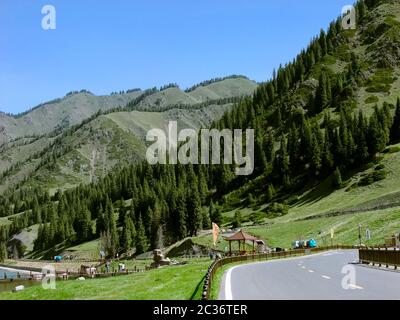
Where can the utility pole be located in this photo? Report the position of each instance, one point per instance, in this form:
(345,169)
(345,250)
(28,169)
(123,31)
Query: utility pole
(359,234)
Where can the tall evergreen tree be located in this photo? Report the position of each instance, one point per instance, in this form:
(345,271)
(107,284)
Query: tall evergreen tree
(395,129)
(337,179)
(141,239)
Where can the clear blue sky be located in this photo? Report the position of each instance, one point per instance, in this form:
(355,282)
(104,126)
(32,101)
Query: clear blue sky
(106,46)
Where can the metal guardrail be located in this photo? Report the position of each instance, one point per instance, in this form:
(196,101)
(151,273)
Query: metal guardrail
(256,257)
(380,256)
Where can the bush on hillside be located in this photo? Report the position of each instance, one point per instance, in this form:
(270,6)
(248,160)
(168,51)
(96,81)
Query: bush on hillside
(372,177)
(277,210)
(257,218)
(372,99)
(392,150)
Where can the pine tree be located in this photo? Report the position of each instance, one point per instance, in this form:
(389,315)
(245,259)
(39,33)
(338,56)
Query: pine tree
(322,94)
(362,154)
(361,11)
(327,157)
(180,216)
(206,221)
(376,136)
(128,234)
(4,235)
(316,158)
(259,156)
(83,225)
(270,192)
(141,239)
(283,164)
(100,221)
(155,226)
(237,220)
(269,148)
(215,213)
(337,179)
(38,244)
(194,212)
(322,42)
(111,228)
(203,187)
(3,251)
(46,240)
(395,129)
(251,200)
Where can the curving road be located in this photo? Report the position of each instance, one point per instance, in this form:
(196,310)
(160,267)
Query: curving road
(325,276)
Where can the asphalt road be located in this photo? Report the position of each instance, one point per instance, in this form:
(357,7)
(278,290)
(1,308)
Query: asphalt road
(325,276)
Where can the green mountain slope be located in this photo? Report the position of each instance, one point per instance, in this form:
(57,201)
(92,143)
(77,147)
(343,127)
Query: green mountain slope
(327,131)
(117,138)
(61,113)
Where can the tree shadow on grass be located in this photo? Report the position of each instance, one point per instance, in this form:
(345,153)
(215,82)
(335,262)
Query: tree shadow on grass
(198,287)
(317,193)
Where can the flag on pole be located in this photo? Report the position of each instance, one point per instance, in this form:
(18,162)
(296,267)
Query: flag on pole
(215,231)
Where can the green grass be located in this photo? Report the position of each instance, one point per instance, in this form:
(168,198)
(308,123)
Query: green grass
(324,199)
(382,223)
(169,283)
(381,81)
(4,221)
(88,250)
(281,231)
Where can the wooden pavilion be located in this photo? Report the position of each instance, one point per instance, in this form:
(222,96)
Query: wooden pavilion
(241,237)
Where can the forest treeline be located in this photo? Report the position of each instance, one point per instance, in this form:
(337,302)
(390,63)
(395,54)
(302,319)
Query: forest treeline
(302,135)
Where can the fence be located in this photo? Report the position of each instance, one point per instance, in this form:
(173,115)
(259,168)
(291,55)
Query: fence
(380,256)
(266,256)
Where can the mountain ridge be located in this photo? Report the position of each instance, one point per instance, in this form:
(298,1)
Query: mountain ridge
(84,142)
(75,107)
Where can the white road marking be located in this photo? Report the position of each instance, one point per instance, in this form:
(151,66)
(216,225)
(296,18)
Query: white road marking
(326,277)
(353,286)
(228,284)
(311,271)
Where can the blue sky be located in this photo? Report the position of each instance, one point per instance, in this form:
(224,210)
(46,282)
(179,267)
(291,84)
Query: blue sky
(106,46)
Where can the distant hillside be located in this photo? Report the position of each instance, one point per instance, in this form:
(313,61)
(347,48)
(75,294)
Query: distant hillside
(327,129)
(63,113)
(83,153)
(76,107)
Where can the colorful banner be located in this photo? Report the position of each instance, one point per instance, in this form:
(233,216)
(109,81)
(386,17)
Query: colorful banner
(215,231)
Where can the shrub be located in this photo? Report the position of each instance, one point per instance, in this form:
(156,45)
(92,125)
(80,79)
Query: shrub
(372,177)
(257,217)
(379,175)
(381,81)
(372,99)
(378,87)
(277,210)
(392,150)
(366,181)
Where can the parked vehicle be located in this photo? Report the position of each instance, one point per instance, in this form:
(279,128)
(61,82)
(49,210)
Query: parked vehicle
(304,244)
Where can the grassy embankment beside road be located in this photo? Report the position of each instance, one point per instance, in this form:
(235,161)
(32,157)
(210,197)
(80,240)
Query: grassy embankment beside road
(183,282)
